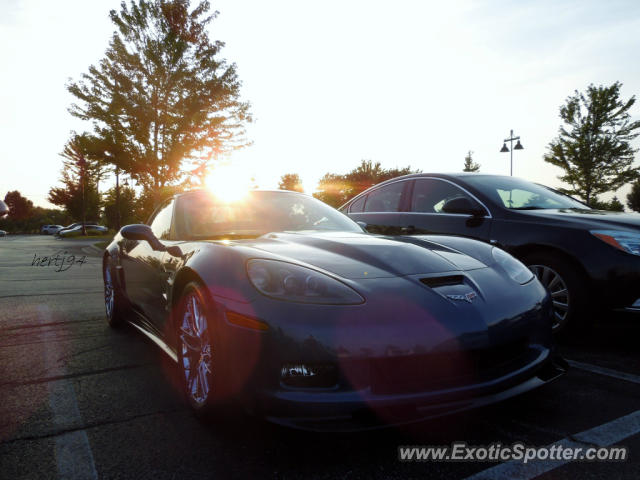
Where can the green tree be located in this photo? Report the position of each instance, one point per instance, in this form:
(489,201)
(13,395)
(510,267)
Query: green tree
(20,208)
(614,205)
(593,146)
(162,95)
(127,205)
(336,189)
(469,164)
(149,200)
(633,198)
(291,181)
(81,173)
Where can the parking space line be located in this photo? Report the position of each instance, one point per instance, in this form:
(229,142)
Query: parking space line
(73,455)
(604,371)
(602,436)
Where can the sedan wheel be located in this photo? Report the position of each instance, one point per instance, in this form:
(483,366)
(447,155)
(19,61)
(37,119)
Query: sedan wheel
(195,349)
(558,290)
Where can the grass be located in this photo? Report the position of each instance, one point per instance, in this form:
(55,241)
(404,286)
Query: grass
(102,240)
(103,244)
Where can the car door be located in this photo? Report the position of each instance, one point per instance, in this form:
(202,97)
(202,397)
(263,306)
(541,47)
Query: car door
(429,208)
(144,270)
(382,209)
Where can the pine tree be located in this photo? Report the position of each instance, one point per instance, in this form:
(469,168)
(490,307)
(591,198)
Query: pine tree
(633,198)
(594,144)
(469,164)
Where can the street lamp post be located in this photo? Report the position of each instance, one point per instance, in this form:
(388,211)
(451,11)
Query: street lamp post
(506,149)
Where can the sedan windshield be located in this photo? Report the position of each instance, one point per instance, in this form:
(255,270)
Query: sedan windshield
(201,215)
(518,194)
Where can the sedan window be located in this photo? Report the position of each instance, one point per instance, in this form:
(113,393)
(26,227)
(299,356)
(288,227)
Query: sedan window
(519,194)
(385,199)
(430,195)
(358,205)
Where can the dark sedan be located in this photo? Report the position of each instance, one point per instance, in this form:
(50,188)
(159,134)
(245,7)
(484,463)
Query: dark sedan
(280,301)
(586,258)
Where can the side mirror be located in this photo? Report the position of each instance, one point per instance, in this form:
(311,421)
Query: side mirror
(464,206)
(140,231)
(363,225)
(4,209)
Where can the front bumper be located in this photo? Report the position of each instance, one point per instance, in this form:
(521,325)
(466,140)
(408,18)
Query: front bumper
(362,410)
(615,278)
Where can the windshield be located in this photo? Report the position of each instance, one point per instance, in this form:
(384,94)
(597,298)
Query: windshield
(518,194)
(201,215)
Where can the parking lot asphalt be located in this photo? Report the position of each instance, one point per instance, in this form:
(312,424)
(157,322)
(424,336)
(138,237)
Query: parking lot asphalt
(79,400)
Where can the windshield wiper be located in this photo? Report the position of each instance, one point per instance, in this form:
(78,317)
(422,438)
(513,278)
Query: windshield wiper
(528,208)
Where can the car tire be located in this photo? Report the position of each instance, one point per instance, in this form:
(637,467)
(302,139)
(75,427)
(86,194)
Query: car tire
(567,288)
(115,309)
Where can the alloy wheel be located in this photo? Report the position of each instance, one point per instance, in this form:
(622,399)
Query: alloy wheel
(195,345)
(558,290)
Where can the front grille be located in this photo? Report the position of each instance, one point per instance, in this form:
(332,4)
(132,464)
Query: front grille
(417,373)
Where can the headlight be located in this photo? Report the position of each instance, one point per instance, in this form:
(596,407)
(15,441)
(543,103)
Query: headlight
(626,241)
(514,268)
(286,281)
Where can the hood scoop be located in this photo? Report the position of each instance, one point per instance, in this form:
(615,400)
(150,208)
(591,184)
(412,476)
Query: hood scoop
(446,281)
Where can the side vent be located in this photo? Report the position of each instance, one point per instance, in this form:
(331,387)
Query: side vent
(435,282)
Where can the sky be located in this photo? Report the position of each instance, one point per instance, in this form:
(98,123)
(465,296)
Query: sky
(404,83)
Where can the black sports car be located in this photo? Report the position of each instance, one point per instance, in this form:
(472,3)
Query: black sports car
(285,304)
(586,258)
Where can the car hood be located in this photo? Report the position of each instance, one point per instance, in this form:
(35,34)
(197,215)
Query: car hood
(362,256)
(589,218)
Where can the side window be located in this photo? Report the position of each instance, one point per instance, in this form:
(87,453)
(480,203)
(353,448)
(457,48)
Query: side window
(385,199)
(161,222)
(358,205)
(430,195)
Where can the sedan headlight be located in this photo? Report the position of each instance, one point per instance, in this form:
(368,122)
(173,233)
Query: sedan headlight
(514,268)
(286,281)
(626,241)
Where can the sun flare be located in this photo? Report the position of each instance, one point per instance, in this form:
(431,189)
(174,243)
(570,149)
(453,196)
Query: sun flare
(228,183)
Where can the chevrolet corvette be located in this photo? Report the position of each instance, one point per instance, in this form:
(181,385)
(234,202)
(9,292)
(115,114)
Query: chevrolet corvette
(282,304)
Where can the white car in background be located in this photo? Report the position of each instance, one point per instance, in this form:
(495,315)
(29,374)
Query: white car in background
(3,233)
(90,229)
(50,229)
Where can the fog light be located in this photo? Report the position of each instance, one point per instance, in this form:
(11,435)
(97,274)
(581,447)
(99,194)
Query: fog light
(308,376)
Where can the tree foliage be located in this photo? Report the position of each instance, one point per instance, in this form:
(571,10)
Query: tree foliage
(162,95)
(336,189)
(633,197)
(614,205)
(126,205)
(291,181)
(469,164)
(38,216)
(24,217)
(593,146)
(20,208)
(81,172)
